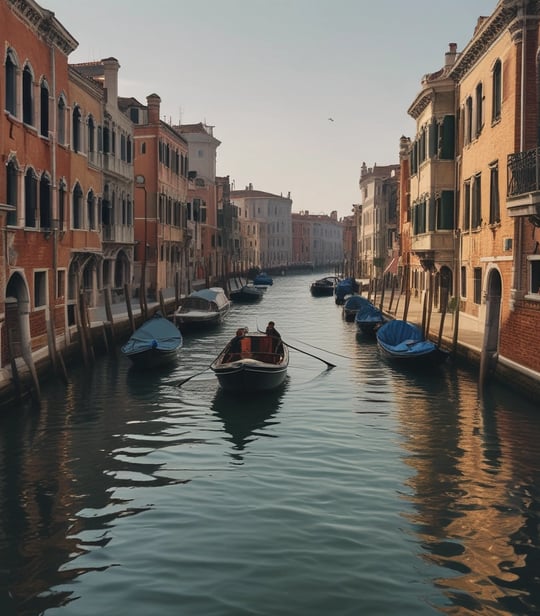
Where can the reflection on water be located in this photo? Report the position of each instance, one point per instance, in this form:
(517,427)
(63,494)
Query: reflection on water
(476,493)
(246,417)
(358,490)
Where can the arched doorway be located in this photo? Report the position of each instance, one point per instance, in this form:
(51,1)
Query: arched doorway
(446,286)
(16,334)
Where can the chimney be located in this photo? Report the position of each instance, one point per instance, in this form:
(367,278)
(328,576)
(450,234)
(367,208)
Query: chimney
(110,74)
(153,101)
(450,55)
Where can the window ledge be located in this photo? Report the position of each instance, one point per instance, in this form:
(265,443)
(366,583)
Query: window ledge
(532,297)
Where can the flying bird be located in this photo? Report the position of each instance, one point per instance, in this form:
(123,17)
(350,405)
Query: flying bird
(330,119)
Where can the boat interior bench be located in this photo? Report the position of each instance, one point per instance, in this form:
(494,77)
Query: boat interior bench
(259,348)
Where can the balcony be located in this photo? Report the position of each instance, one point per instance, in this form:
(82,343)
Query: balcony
(523,191)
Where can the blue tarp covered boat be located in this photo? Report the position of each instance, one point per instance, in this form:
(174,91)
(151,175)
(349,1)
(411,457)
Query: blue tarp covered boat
(155,343)
(403,341)
(352,305)
(263,280)
(345,287)
(368,318)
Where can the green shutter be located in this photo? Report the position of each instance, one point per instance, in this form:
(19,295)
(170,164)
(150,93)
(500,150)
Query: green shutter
(448,137)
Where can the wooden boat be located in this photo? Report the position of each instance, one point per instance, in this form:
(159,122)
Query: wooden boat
(368,318)
(155,343)
(248,294)
(403,342)
(263,280)
(324,287)
(204,308)
(352,305)
(256,368)
(347,286)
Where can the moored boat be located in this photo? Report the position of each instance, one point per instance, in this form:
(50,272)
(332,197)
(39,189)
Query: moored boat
(352,305)
(404,342)
(247,294)
(347,286)
(263,280)
(368,318)
(155,343)
(261,365)
(203,308)
(324,287)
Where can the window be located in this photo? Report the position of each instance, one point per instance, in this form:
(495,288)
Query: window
(468,120)
(61,205)
(45,203)
(446,149)
(11,191)
(494,201)
(463,281)
(91,210)
(477,282)
(27,96)
(497,92)
(60,284)
(91,136)
(40,289)
(77,207)
(476,202)
(534,268)
(479,104)
(11,83)
(445,210)
(30,198)
(76,129)
(467,206)
(44,109)
(61,120)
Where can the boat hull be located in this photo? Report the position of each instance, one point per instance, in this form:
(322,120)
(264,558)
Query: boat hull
(258,367)
(246,295)
(250,375)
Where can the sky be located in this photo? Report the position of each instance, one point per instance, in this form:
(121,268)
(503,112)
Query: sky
(299,92)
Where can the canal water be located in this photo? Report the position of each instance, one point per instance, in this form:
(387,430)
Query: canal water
(357,490)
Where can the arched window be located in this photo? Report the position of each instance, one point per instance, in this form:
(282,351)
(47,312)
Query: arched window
(77,217)
(12,192)
(76,129)
(61,120)
(44,109)
(497,92)
(30,198)
(45,202)
(27,96)
(91,210)
(91,137)
(62,188)
(11,83)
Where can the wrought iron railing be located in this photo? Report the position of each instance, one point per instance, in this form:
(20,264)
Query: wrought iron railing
(523,172)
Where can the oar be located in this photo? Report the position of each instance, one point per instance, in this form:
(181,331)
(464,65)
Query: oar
(315,356)
(180,383)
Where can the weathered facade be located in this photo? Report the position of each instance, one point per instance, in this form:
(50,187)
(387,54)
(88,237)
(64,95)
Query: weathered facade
(40,178)
(161,197)
(317,239)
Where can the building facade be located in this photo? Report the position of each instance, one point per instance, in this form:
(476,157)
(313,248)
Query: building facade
(266,220)
(377,229)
